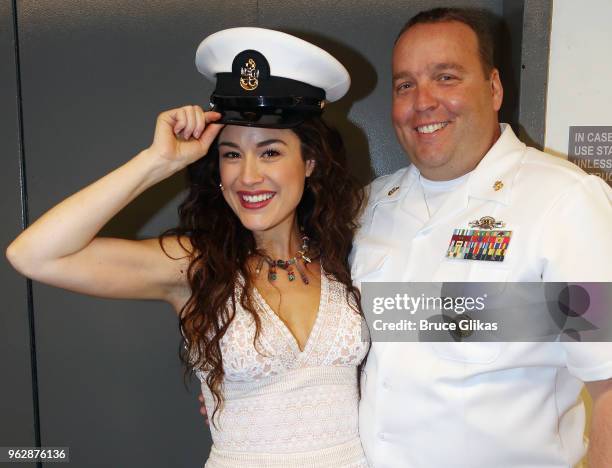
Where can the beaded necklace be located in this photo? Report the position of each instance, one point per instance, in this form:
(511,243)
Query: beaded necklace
(297,260)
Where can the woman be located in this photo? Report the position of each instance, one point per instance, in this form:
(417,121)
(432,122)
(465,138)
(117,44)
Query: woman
(257,270)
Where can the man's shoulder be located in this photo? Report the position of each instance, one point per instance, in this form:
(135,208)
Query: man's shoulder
(545,181)
(533,165)
(552,173)
(552,166)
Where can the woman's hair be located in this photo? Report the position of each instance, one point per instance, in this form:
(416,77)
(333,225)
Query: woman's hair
(221,245)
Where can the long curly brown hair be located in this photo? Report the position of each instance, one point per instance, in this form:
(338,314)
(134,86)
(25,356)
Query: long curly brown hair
(327,213)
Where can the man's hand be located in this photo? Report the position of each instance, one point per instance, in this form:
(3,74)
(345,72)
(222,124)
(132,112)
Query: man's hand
(203,411)
(600,446)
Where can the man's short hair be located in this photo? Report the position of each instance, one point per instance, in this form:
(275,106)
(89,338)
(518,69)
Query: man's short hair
(477,20)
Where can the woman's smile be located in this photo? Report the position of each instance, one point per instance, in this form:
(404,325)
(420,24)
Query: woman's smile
(255,200)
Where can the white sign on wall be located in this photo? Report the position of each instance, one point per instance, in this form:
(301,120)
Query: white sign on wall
(579,92)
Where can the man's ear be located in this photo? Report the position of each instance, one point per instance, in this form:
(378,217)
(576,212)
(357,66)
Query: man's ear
(497,90)
(310,165)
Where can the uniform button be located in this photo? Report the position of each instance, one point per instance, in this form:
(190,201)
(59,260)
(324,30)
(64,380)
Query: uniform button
(386,385)
(382,435)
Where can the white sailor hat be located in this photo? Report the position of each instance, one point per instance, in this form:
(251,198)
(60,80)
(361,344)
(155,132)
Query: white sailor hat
(267,78)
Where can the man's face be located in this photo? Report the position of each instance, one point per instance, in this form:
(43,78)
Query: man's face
(444,107)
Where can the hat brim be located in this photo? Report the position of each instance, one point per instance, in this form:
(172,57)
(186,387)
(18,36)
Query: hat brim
(273,118)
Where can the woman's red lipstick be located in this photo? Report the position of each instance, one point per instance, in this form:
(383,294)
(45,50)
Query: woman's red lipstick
(254,205)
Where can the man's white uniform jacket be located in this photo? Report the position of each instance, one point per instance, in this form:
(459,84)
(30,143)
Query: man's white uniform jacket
(490,405)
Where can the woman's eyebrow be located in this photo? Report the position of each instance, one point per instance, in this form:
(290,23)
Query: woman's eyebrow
(228,143)
(269,142)
(259,145)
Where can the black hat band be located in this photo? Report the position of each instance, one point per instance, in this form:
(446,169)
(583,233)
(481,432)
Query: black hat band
(259,102)
(273,86)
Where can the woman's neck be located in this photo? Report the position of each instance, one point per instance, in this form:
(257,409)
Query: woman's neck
(280,243)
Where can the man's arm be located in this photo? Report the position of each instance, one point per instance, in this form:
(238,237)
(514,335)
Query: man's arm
(600,446)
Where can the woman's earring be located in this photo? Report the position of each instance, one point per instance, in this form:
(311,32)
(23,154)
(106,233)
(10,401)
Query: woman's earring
(221,187)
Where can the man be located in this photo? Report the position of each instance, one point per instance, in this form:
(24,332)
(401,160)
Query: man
(478,404)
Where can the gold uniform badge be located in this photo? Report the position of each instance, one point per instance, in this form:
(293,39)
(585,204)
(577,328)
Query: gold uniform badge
(249,75)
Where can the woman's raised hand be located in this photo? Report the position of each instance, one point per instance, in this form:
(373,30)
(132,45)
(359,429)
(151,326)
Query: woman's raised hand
(184,135)
(61,247)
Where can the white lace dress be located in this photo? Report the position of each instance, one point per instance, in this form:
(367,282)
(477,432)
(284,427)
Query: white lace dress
(285,407)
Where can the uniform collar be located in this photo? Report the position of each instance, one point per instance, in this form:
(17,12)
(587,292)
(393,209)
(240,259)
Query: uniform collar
(500,163)
(498,169)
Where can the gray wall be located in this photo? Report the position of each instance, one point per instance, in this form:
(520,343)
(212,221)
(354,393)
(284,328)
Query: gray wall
(87,82)
(17,397)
